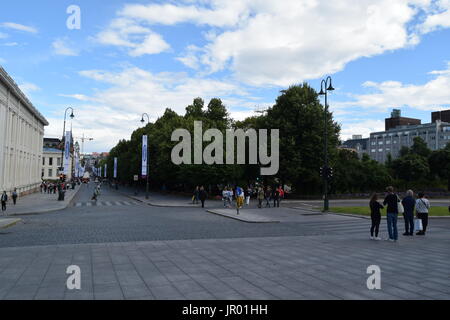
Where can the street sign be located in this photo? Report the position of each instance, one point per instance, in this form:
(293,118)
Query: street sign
(136,178)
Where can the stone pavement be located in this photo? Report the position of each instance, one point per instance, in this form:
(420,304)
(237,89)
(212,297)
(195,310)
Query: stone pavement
(305,267)
(40,203)
(246,215)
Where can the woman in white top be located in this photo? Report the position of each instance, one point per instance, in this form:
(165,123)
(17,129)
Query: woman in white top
(422,206)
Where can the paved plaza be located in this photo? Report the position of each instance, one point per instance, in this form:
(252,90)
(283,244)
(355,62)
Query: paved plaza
(137,251)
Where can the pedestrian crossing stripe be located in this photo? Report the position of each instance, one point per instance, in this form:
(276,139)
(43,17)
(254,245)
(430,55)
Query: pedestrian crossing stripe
(105,203)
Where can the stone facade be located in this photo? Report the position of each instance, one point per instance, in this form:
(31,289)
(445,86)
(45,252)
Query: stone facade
(21,139)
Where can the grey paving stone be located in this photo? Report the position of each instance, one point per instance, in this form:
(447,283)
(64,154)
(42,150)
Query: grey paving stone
(136,291)
(26,292)
(50,293)
(108,292)
(166,293)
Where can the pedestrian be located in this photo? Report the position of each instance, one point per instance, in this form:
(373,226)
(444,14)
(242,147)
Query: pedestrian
(260,197)
(4,199)
(225,197)
(195,196)
(239,198)
(267,196)
(281,191)
(14,196)
(422,207)
(375,216)
(409,203)
(392,201)
(276,198)
(248,194)
(203,195)
(230,196)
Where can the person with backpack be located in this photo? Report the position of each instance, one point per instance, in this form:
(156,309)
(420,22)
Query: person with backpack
(392,201)
(375,216)
(422,207)
(14,196)
(408,204)
(3,200)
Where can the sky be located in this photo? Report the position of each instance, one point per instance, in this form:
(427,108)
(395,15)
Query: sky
(122,58)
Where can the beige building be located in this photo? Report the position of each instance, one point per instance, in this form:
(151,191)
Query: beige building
(21,139)
(51,162)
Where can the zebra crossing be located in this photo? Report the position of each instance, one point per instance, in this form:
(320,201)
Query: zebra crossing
(105,203)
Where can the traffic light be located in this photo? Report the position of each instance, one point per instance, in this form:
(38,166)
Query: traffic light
(329,173)
(321,171)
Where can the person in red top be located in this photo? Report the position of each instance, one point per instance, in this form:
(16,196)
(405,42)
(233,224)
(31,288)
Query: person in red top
(281,192)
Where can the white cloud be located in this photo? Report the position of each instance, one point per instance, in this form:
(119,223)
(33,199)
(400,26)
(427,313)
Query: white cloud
(138,40)
(439,17)
(266,42)
(115,112)
(28,87)
(364,127)
(11,44)
(3,35)
(2,61)
(60,47)
(429,96)
(18,27)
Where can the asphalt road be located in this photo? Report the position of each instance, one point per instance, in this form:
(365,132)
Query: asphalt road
(117,218)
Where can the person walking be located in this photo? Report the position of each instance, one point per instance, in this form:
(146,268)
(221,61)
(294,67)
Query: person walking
(260,197)
(14,196)
(392,201)
(248,194)
(267,196)
(281,191)
(409,203)
(422,207)
(225,197)
(375,216)
(195,197)
(202,196)
(4,199)
(276,198)
(239,198)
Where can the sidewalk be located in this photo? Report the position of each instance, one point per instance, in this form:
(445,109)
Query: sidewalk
(40,203)
(6,223)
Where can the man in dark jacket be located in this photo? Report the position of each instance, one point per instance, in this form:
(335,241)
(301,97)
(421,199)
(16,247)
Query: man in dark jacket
(391,201)
(203,195)
(4,199)
(409,204)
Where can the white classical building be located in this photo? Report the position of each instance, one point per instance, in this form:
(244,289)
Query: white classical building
(51,162)
(21,139)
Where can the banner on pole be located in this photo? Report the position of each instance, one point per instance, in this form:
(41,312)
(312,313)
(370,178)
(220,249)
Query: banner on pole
(144,155)
(115,168)
(67,152)
(106,170)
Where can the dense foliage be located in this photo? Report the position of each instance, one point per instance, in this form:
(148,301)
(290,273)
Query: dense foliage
(299,115)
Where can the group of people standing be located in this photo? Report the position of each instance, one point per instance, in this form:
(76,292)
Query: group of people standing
(4,199)
(394,205)
(242,196)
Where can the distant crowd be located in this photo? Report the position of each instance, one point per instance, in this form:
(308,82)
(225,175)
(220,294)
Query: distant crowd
(238,196)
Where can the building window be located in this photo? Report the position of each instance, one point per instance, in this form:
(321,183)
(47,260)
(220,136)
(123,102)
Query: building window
(380,150)
(50,173)
(58,160)
(43,161)
(388,142)
(50,161)
(380,143)
(373,150)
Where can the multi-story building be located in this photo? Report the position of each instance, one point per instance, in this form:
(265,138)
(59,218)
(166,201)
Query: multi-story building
(436,135)
(21,139)
(51,163)
(357,144)
(397,120)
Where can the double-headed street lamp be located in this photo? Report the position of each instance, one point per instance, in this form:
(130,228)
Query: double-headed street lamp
(325,86)
(64,133)
(147,186)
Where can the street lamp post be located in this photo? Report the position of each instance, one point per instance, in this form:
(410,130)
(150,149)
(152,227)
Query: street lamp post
(148,172)
(325,86)
(64,133)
